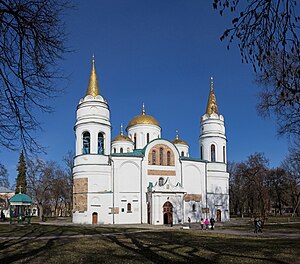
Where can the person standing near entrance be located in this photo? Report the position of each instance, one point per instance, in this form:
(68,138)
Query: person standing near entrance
(206,223)
(202,223)
(212,223)
(189,220)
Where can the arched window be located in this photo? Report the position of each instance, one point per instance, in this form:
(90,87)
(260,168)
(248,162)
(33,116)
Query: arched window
(121,150)
(86,141)
(129,208)
(161,156)
(168,158)
(161,181)
(128,150)
(148,137)
(224,154)
(134,140)
(115,150)
(153,157)
(201,152)
(100,144)
(182,153)
(194,207)
(213,153)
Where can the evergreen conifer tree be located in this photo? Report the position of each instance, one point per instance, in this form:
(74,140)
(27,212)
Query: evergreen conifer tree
(21,178)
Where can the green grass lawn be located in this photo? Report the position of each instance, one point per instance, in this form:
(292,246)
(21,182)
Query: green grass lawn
(154,246)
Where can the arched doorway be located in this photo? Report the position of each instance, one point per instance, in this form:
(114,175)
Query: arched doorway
(95,218)
(219,215)
(168,213)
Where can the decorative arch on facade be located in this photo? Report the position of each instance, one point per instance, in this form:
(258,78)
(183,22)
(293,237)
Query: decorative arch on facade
(86,142)
(166,155)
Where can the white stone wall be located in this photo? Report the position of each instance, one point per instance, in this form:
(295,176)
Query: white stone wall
(141,132)
(212,131)
(127,146)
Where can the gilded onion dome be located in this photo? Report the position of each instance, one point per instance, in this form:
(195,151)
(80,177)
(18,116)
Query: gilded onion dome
(212,107)
(122,137)
(177,140)
(93,87)
(143,119)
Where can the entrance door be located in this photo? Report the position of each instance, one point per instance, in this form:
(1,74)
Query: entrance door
(219,215)
(168,213)
(95,218)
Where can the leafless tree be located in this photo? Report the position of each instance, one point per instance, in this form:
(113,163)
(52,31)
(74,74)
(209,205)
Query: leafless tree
(3,176)
(292,167)
(32,37)
(267,32)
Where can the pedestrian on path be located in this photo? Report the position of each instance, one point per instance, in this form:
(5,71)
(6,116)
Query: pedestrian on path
(206,223)
(202,223)
(212,223)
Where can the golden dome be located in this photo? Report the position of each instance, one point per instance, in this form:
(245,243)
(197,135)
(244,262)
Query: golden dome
(178,141)
(122,137)
(212,107)
(143,119)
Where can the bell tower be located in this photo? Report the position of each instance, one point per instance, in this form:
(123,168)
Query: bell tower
(92,166)
(93,128)
(212,138)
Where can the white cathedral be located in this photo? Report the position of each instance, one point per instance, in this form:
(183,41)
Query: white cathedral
(142,177)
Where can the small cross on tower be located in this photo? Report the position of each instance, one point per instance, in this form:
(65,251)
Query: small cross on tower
(20,188)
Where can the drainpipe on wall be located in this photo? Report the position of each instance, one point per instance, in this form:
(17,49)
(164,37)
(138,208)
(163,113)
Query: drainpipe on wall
(141,191)
(206,189)
(113,186)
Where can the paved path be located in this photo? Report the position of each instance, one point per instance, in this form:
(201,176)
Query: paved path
(149,228)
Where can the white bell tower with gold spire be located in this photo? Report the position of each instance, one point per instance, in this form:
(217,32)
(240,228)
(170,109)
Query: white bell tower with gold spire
(93,128)
(212,138)
(92,165)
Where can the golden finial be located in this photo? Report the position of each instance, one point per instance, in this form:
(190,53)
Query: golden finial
(93,87)
(143,109)
(177,137)
(121,131)
(212,107)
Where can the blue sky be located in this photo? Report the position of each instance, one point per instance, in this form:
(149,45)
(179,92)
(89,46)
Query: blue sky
(162,53)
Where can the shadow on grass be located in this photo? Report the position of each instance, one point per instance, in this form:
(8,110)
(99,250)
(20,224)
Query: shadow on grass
(174,246)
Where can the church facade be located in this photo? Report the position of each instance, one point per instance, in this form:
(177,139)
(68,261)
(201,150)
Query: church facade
(142,177)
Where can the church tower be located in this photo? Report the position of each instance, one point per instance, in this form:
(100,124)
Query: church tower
(91,172)
(212,138)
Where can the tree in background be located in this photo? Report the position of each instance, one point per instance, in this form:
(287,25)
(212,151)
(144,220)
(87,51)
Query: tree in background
(68,182)
(278,186)
(292,167)
(267,32)
(3,176)
(32,37)
(21,183)
(48,185)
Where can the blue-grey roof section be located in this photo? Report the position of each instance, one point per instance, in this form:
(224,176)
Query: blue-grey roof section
(135,153)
